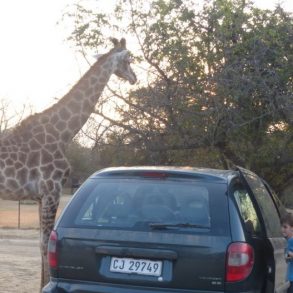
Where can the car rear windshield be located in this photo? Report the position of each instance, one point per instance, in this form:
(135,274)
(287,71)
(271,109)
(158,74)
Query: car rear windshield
(139,204)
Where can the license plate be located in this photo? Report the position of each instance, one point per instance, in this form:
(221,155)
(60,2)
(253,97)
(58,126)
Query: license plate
(136,266)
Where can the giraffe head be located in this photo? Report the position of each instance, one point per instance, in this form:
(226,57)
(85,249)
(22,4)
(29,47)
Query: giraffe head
(123,61)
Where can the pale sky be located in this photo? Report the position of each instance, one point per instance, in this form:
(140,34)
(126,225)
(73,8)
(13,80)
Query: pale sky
(36,64)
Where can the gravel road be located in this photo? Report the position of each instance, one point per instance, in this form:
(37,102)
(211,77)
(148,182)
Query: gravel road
(20,261)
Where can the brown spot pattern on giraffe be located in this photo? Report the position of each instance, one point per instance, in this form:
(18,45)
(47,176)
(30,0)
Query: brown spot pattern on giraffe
(47,171)
(32,160)
(22,175)
(9,172)
(61,125)
(64,114)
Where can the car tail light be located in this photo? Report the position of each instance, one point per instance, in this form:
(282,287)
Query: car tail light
(52,250)
(240,260)
(155,174)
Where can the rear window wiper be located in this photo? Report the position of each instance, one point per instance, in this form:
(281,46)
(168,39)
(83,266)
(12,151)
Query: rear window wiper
(177,225)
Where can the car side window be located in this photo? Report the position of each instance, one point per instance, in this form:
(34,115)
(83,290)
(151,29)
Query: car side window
(247,210)
(266,205)
(280,207)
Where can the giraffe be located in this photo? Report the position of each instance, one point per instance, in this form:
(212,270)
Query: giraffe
(33,164)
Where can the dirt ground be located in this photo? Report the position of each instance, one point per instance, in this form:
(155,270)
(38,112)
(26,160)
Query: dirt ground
(25,215)
(20,259)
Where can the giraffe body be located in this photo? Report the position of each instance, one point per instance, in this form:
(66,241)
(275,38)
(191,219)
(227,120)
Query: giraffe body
(33,164)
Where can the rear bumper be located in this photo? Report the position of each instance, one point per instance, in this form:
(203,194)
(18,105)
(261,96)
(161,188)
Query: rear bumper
(68,286)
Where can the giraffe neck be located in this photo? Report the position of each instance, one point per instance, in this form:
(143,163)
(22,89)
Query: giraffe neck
(65,118)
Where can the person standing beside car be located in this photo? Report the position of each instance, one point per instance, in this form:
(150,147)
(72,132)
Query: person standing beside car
(287,231)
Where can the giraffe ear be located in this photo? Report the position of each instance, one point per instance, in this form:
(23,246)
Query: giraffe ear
(123,43)
(115,42)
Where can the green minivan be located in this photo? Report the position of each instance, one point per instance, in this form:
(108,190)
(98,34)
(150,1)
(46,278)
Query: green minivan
(169,229)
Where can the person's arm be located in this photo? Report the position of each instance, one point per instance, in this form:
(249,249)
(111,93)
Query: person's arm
(290,250)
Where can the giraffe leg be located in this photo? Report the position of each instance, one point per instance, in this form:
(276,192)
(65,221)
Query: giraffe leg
(47,212)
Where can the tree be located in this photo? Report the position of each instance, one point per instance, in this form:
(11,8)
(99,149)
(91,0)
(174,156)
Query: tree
(216,89)
(11,116)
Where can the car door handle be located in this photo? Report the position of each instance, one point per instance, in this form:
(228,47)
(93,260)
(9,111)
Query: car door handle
(137,252)
(269,269)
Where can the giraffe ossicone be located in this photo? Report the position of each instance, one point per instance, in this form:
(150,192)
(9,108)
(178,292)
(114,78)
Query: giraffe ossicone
(33,164)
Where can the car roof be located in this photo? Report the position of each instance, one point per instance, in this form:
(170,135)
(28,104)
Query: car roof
(169,171)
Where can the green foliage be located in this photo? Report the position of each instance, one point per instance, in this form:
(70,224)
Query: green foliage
(81,160)
(218,91)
